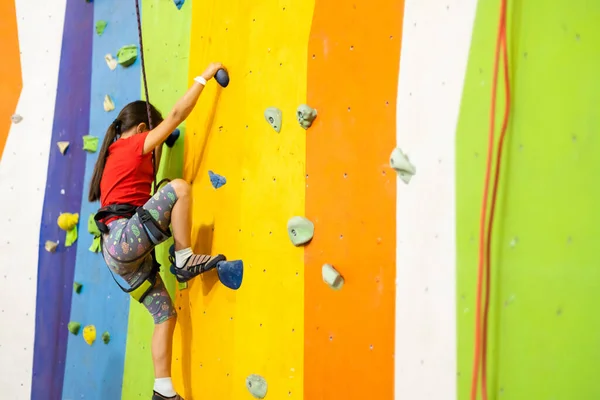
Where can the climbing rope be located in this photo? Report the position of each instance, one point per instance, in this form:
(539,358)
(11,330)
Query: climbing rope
(485,236)
(151,126)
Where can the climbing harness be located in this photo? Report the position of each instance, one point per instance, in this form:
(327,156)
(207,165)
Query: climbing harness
(153,230)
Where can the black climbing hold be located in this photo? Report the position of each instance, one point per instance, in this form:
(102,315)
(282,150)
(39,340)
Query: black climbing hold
(170,142)
(222,77)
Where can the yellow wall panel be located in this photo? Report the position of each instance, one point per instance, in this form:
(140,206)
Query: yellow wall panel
(226,335)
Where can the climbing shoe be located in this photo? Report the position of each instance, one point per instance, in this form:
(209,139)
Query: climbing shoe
(195,265)
(157,396)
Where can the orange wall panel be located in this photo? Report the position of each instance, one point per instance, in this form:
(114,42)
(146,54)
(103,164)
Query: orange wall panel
(353,65)
(11,81)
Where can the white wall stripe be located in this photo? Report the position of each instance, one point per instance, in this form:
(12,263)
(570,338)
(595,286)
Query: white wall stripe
(22,183)
(435,47)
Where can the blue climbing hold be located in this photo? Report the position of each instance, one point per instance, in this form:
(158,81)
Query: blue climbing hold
(179,3)
(231,273)
(222,77)
(216,179)
(172,138)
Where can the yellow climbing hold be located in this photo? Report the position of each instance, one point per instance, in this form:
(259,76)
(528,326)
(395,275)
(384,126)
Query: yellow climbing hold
(51,246)
(68,223)
(62,146)
(89,334)
(108,104)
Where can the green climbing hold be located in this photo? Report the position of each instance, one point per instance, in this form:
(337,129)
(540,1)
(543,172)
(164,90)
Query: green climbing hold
(127,55)
(100,27)
(300,230)
(90,143)
(77,287)
(95,232)
(257,386)
(74,327)
(106,337)
(274,118)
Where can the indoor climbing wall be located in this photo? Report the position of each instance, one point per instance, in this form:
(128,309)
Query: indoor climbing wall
(542,333)
(411,75)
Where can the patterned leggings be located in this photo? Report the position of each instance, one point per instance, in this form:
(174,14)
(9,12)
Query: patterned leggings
(126,250)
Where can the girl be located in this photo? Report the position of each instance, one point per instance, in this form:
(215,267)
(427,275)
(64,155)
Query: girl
(124,175)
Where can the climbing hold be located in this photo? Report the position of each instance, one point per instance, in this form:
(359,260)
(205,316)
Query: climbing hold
(89,334)
(106,337)
(109,105)
(50,246)
(331,277)
(216,180)
(95,232)
(257,386)
(68,223)
(77,287)
(100,27)
(222,77)
(63,146)
(127,55)
(110,61)
(399,161)
(300,230)
(16,118)
(170,142)
(306,115)
(90,143)
(273,117)
(231,273)
(179,3)
(74,327)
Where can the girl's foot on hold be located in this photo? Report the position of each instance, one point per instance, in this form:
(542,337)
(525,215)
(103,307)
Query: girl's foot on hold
(195,265)
(158,396)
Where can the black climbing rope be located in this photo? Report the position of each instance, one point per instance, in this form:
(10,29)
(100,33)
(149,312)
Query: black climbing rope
(139,23)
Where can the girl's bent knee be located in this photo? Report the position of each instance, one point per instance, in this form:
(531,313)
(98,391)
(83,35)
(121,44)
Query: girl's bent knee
(181,187)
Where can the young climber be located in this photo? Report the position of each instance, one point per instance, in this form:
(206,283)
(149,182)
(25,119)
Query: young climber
(124,175)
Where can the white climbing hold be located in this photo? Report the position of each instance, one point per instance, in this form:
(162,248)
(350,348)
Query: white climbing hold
(108,104)
(332,277)
(50,246)
(63,146)
(400,162)
(16,118)
(257,386)
(110,61)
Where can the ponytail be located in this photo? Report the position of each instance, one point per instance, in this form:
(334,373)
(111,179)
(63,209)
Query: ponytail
(114,130)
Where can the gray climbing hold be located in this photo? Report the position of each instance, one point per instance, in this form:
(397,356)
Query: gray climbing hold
(306,115)
(399,162)
(332,277)
(274,118)
(257,386)
(16,118)
(300,230)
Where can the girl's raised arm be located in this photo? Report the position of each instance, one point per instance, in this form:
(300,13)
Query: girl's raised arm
(180,111)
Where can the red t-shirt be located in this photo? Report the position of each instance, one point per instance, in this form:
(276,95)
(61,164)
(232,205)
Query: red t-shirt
(128,174)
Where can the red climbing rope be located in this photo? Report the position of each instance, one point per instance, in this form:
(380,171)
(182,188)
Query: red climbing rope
(139,24)
(485,238)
